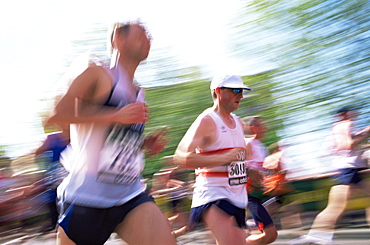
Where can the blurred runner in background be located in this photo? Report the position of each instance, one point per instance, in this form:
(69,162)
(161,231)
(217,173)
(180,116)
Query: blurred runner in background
(277,186)
(348,160)
(255,130)
(54,144)
(171,192)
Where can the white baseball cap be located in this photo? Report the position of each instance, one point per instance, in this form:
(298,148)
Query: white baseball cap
(228,81)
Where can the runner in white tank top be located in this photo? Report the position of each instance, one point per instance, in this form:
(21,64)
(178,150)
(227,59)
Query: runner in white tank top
(256,197)
(103,192)
(213,183)
(214,146)
(347,157)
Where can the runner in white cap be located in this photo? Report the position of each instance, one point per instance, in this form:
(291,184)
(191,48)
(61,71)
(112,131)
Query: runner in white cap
(214,146)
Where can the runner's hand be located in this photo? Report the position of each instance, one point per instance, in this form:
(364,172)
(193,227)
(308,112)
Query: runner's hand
(136,112)
(256,177)
(156,141)
(236,154)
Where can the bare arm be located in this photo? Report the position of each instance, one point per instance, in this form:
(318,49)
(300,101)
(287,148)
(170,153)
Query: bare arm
(248,151)
(174,183)
(360,136)
(200,135)
(83,102)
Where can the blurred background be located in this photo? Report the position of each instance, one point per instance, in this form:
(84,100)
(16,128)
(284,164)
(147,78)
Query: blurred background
(303,60)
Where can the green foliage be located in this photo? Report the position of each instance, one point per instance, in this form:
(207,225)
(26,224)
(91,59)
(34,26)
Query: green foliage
(320,50)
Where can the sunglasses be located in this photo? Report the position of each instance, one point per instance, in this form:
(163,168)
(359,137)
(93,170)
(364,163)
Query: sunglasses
(234,90)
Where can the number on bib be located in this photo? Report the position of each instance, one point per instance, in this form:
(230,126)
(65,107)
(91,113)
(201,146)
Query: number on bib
(237,173)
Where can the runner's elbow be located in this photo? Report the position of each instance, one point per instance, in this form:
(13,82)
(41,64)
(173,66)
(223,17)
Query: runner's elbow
(54,119)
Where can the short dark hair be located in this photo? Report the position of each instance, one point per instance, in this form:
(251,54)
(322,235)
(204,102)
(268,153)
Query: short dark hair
(250,120)
(124,27)
(214,95)
(345,109)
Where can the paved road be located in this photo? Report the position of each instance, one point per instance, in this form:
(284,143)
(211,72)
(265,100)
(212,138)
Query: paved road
(202,236)
(352,230)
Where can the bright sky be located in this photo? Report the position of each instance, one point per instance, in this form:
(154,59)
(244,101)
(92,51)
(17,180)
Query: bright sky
(35,36)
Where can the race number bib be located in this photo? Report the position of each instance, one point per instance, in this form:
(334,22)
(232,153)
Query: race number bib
(121,160)
(237,171)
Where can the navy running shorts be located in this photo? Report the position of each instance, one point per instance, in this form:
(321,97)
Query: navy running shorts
(348,176)
(224,205)
(93,226)
(259,213)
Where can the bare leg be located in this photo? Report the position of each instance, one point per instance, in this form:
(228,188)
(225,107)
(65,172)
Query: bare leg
(267,236)
(223,227)
(180,231)
(62,238)
(326,220)
(173,218)
(368,216)
(144,225)
(323,226)
(292,216)
(179,223)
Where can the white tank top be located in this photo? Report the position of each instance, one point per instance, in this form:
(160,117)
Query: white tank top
(211,187)
(85,185)
(259,153)
(343,159)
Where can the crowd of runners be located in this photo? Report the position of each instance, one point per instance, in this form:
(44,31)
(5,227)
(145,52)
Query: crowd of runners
(236,185)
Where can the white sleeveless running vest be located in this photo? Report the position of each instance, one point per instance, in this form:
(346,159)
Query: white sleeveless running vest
(343,159)
(215,185)
(91,184)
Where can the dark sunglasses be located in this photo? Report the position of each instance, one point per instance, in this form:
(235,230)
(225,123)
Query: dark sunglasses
(234,90)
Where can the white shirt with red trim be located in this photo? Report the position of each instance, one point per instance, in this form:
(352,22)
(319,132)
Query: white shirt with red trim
(212,184)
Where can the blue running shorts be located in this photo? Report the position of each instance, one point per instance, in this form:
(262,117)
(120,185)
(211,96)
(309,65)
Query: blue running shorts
(93,226)
(259,213)
(348,176)
(224,205)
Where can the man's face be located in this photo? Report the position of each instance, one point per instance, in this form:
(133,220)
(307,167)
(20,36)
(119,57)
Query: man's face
(230,98)
(137,42)
(352,115)
(348,115)
(259,128)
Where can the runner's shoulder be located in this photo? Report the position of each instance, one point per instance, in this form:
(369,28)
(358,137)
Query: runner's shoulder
(207,124)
